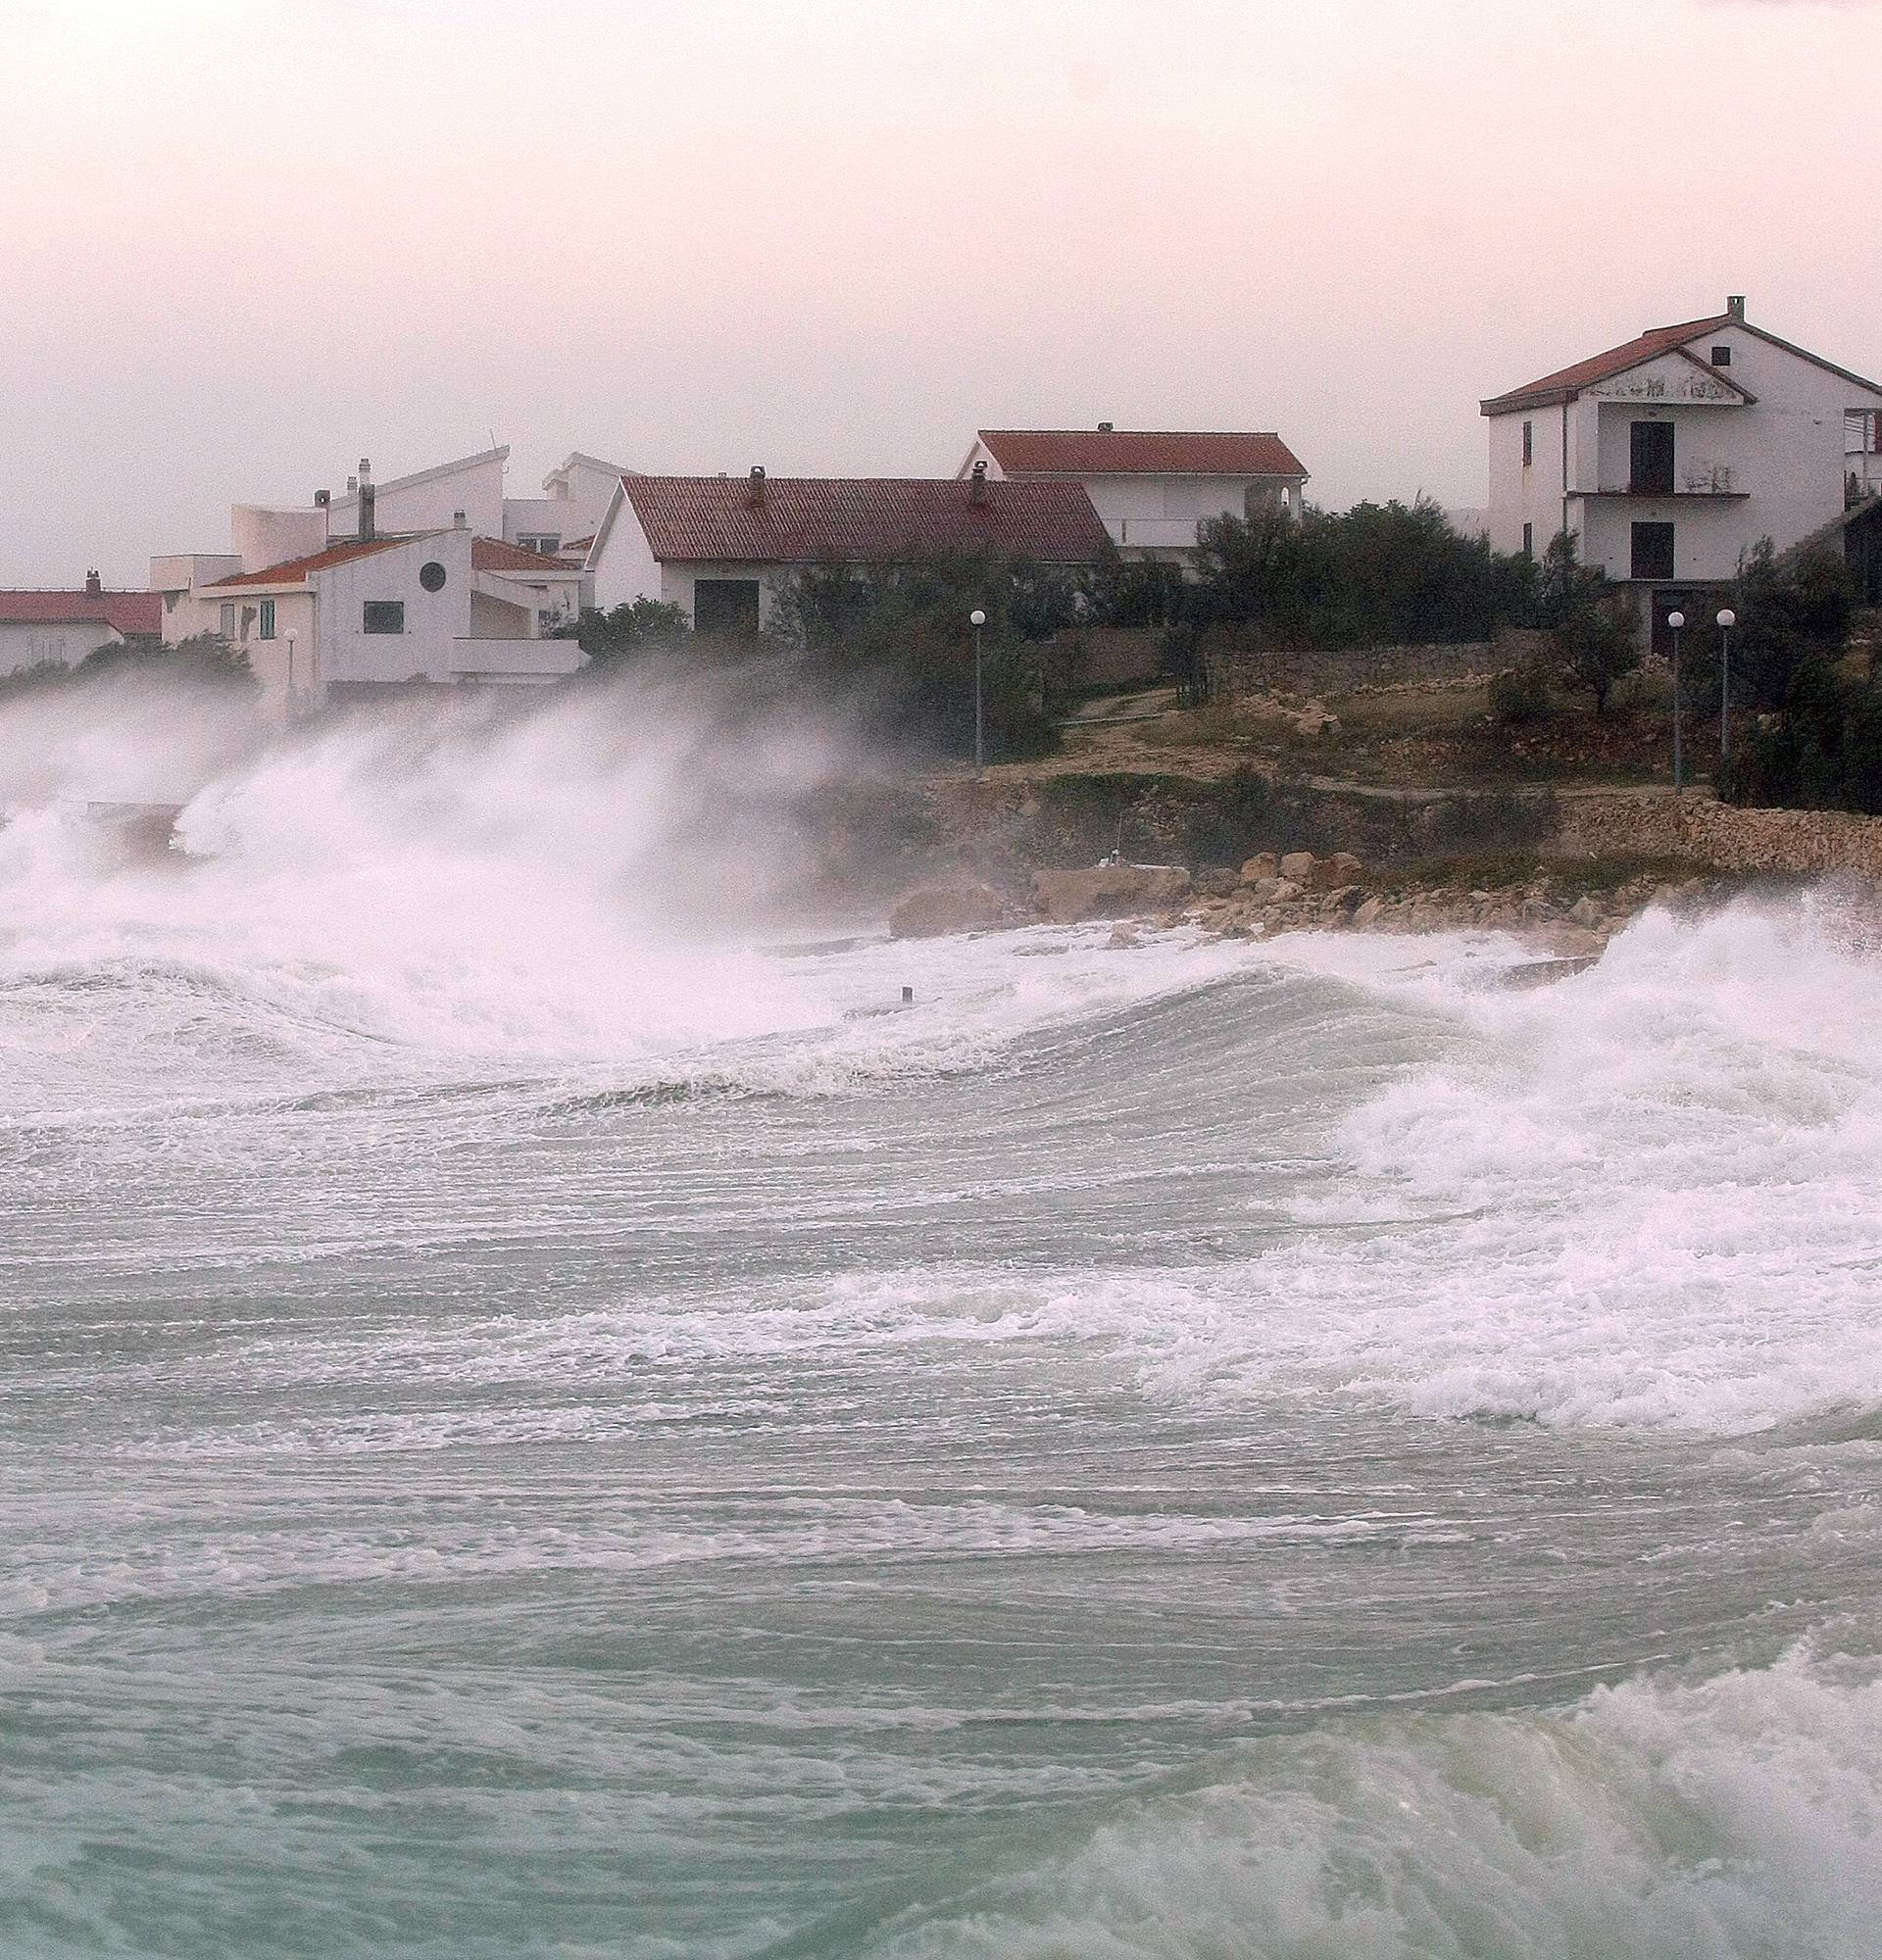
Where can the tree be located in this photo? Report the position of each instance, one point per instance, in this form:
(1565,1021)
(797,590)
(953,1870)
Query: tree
(1597,638)
(610,637)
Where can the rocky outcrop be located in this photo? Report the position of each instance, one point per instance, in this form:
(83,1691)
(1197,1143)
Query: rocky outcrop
(1109,890)
(940,908)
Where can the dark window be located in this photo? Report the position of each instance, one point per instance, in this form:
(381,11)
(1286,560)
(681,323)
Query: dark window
(1651,453)
(726,606)
(384,616)
(548,543)
(268,618)
(1528,444)
(431,575)
(1721,357)
(1653,550)
(1528,540)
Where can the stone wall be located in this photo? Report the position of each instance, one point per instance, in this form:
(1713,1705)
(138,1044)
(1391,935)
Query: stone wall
(1652,823)
(1235,674)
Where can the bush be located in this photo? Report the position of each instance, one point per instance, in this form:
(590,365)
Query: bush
(1521,694)
(610,637)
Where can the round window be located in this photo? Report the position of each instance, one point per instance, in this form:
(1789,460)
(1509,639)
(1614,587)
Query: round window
(431,575)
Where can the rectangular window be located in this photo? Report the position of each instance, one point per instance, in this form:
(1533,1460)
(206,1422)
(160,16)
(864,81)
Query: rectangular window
(725,607)
(268,618)
(1528,444)
(1652,555)
(1650,458)
(1528,540)
(545,542)
(225,624)
(383,616)
(1721,357)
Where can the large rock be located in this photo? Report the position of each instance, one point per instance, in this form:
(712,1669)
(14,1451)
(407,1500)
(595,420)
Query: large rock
(1109,890)
(938,908)
(1330,873)
(1298,865)
(1264,864)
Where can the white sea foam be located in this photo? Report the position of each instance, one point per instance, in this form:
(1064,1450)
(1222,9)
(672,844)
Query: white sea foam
(1736,1816)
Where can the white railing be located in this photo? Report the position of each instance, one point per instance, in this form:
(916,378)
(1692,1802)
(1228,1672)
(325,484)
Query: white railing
(1862,474)
(475,659)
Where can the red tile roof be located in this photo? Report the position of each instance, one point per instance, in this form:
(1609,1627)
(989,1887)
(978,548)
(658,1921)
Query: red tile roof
(856,521)
(130,612)
(497,555)
(294,571)
(1141,452)
(1567,382)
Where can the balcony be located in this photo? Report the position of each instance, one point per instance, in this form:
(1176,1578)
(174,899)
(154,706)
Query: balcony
(513,660)
(1713,482)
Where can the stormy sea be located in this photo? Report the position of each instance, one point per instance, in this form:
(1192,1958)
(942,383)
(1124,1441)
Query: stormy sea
(543,1411)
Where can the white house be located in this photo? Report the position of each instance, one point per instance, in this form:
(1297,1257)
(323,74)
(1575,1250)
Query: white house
(1670,455)
(722,548)
(362,614)
(1152,487)
(62,628)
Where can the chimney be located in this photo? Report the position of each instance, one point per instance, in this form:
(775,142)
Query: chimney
(94,585)
(322,498)
(754,491)
(352,484)
(366,469)
(977,489)
(459,521)
(1105,428)
(369,516)
(1735,304)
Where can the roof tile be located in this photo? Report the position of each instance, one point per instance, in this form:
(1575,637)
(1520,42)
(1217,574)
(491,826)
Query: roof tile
(130,613)
(1142,453)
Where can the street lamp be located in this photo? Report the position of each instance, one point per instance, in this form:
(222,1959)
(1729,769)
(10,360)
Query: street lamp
(1675,623)
(1728,619)
(290,670)
(976,619)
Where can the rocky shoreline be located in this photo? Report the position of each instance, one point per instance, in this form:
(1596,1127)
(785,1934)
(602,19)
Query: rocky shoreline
(1296,890)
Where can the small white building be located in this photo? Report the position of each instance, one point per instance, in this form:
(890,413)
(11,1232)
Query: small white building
(1152,487)
(1669,456)
(443,607)
(59,629)
(722,548)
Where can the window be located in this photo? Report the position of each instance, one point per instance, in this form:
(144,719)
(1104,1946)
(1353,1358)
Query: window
(1721,357)
(548,543)
(1650,455)
(1528,444)
(226,623)
(384,616)
(1653,550)
(1528,540)
(268,618)
(727,606)
(431,575)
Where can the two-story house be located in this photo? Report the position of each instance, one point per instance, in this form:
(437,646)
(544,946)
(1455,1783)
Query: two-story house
(1669,456)
(1152,487)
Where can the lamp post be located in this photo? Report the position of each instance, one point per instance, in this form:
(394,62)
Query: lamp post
(1675,621)
(1728,619)
(290,673)
(976,619)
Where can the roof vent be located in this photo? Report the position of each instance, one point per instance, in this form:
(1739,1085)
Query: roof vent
(977,489)
(755,489)
(459,521)
(322,498)
(1106,429)
(1735,304)
(94,585)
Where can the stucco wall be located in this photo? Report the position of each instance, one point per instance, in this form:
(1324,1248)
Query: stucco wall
(26,646)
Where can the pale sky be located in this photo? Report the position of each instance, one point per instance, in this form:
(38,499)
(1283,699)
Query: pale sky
(248,241)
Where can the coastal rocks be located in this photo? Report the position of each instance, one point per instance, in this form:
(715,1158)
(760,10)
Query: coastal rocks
(1296,865)
(942,909)
(1260,867)
(1109,890)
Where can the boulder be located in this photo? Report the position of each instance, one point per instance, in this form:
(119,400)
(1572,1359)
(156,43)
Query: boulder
(1367,911)
(940,908)
(1298,865)
(1264,864)
(1108,891)
(1328,874)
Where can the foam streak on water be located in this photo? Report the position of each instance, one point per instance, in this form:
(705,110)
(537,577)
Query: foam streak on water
(527,1426)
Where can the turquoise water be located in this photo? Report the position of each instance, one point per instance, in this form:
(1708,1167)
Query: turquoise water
(522,1432)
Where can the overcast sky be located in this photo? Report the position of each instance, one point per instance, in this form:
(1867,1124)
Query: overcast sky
(247,241)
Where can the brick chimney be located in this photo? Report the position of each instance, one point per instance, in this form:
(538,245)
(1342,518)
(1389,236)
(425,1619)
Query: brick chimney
(1735,304)
(978,488)
(754,486)
(94,586)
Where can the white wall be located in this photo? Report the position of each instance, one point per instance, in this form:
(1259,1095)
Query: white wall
(1530,496)
(24,645)
(625,568)
(433,621)
(476,488)
(261,537)
(587,487)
